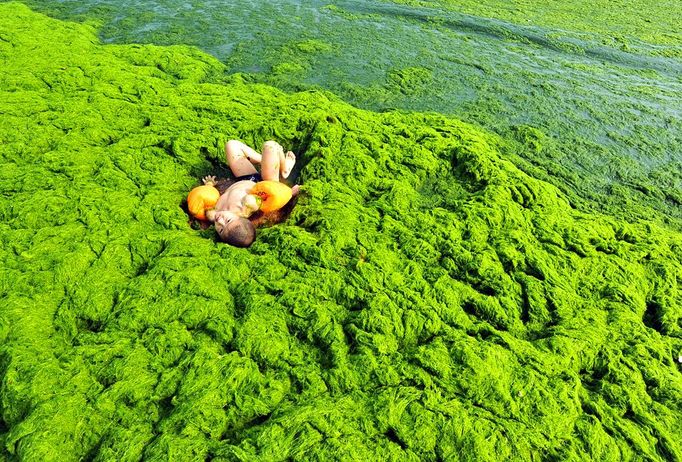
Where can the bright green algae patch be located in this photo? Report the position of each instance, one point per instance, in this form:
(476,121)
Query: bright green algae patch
(426,300)
(591,88)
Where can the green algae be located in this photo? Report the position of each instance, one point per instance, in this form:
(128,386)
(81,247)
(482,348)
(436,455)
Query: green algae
(426,300)
(639,20)
(610,120)
(600,83)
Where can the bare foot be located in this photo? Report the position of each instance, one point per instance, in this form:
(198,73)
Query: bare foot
(289,162)
(209,180)
(295,189)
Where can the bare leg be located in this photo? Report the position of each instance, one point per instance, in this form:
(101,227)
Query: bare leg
(275,162)
(241,158)
(288,164)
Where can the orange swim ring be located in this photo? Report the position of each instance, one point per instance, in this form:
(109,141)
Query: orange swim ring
(201,199)
(273,194)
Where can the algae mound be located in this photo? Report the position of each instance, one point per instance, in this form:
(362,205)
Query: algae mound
(426,299)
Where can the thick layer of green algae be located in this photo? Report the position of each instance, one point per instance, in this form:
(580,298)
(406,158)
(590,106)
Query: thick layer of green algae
(426,299)
(594,88)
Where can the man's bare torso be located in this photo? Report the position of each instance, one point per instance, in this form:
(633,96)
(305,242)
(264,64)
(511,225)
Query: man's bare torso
(232,200)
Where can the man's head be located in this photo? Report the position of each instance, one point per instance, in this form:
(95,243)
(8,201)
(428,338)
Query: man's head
(234,230)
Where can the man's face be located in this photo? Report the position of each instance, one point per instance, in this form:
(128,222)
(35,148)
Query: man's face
(224,222)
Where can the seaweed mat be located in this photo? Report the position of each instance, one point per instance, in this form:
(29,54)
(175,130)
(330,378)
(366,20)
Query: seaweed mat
(426,300)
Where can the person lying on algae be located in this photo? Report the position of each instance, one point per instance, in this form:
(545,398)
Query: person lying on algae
(251,194)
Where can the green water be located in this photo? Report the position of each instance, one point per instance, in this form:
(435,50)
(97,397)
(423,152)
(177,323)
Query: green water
(505,289)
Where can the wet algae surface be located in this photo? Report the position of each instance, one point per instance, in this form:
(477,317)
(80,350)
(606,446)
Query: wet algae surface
(586,92)
(433,296)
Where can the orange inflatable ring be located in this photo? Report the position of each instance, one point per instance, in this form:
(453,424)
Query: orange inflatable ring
(201,199)
(273,194)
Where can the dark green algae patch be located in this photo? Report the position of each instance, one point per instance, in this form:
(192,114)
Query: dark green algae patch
(426,299)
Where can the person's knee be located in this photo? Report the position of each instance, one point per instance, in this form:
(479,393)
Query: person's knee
(271,146)
(233,149)
(233,145)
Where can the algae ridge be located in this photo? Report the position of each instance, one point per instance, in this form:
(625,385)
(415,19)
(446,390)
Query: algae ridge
(426,299)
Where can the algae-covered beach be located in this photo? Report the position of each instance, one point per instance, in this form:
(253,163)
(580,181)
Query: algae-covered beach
(484,262)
